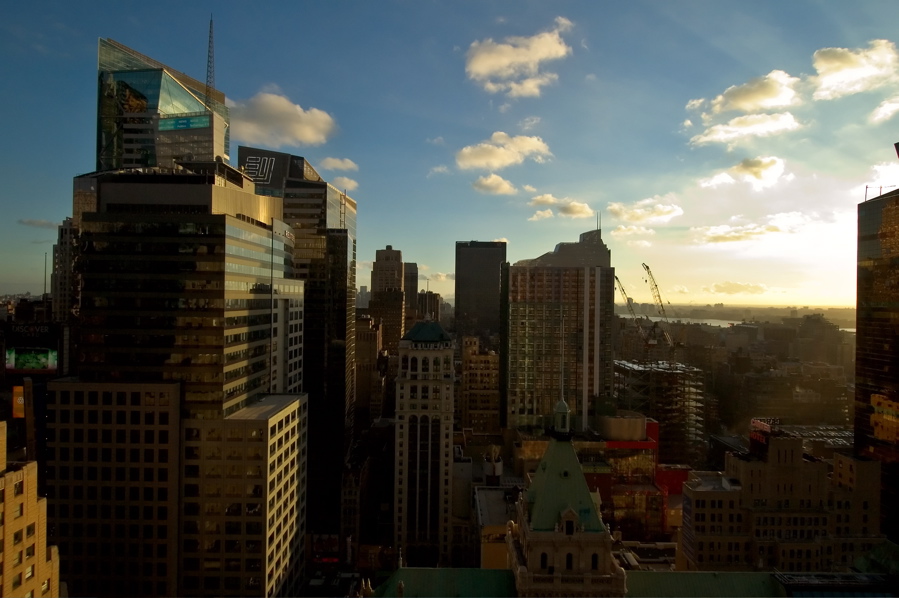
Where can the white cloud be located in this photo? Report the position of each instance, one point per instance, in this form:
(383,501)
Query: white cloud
(529,123)
(347,184)
(338,164)
(436,141)
(541,215)
(638,243)
(502,150)
(38,223)
(722,178)
(651,210)
(501,240)
(762,172)
(364,265)
(575,209)
(696,104)
(272,120)
(679,289)
(493,184)
(885,111)
(442,276)
(568,208)
(513,65)
(785,222)
(844,72)
(529,188)
(687,124)
(590,77)
(736,288)
(774,90)
(546,199)
(750,125)
(630,231)
(439,170)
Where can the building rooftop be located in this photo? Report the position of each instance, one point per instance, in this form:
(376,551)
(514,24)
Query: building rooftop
(701,583)
(266,408)
(495,505)
(427,331)
(559,485)
(424,581)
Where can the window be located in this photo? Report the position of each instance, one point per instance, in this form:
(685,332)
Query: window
(569,561)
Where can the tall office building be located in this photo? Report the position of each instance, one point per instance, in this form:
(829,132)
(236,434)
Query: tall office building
(559,309)
(410,288)
(387,271)
(424,452)
(176,460)
(478,274)
(323,221)
(149,114)
(877,345)
(388,297)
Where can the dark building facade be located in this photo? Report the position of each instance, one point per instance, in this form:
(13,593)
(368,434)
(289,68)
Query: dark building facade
(478,274)
(323,221)
(877,345)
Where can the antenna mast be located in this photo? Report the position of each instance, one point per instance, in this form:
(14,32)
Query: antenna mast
(210,68)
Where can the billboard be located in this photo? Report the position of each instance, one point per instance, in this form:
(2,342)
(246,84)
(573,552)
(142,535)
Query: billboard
(32,348)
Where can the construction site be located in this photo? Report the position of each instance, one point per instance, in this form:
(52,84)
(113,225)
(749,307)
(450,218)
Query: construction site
(650,380)
(672,394)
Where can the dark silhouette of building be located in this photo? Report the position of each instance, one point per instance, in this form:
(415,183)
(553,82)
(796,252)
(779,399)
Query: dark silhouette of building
(877,345)
(478,276)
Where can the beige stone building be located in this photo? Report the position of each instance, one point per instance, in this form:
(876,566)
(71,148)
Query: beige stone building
(778,508)
(30,567)
(424,452)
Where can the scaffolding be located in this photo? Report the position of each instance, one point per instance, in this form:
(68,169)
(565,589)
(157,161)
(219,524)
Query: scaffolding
(673,394)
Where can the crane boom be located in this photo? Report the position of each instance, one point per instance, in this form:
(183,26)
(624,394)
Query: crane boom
(630,309)
(660,307)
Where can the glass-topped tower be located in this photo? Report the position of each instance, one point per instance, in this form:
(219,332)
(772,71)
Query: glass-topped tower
(149,114)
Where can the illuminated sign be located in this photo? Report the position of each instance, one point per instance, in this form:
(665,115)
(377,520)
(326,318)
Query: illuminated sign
(18,402)
(191,122)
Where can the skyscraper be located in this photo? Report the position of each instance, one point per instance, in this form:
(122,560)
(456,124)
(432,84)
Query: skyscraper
(877,345)
(388,298)
(424,452)
(149,114)
(323,221)
(478,274)
(176,460)
(559,309)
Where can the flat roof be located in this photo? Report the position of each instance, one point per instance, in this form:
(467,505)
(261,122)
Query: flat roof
(266,408)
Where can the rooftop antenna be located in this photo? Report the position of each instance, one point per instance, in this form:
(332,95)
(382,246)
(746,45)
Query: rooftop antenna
(210,67)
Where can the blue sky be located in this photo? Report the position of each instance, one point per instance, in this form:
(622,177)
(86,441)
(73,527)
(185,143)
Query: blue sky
(725,144)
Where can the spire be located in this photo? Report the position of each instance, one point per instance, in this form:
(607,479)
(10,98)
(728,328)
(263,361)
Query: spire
(210,68)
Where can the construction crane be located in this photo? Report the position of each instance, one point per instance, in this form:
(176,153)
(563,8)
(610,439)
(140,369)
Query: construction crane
(660,306)
(630,309)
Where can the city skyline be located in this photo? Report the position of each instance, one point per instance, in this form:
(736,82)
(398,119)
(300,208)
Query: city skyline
(729,153)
